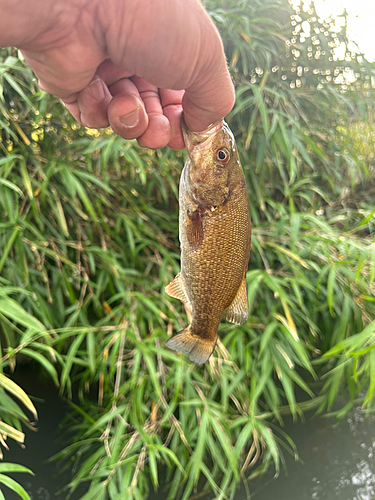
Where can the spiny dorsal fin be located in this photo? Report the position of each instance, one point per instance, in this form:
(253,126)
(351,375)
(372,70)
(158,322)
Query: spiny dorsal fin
(238,311)
(198,349)
(176,289)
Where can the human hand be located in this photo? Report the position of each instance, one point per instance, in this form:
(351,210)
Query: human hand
(133,65)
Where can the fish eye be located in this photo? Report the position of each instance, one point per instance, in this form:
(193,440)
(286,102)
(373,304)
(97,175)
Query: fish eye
(223,155)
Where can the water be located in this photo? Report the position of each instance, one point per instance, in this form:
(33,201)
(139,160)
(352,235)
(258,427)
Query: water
(336,458)
(337,462)
(42,444)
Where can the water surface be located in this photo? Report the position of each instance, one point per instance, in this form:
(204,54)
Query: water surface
(336,458)
(337,462)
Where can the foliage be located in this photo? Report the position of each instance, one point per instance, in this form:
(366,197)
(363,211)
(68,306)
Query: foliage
(10,483)
(89,239)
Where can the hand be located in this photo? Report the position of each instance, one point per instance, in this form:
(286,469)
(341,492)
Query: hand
(130,64)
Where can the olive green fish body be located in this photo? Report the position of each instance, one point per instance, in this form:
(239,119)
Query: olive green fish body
(215,240)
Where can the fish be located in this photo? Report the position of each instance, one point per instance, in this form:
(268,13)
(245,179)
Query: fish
(215,239)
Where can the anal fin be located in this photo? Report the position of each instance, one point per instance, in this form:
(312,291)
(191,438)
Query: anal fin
(238,311)
(176,289)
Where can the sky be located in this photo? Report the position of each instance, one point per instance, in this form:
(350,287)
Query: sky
(361,20)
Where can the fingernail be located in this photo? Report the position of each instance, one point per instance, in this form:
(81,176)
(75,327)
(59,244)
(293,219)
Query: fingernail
(131,119)
(96,90)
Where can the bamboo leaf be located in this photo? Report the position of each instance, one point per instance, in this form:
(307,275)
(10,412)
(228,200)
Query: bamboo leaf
(13,433)
(330,286)
(14,311)
(14,486)
(14,389)
(8,247)
(9,467)
(43,361)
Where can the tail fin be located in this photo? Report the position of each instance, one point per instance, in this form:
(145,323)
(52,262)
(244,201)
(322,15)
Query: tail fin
(198,349)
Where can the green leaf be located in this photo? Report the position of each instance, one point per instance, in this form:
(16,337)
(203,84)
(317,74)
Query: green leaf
(13,83)
(289,392)
(26,179)
(200,447)
(371,390)
(8,246)
(170,454)
(269,438)
(352,343)
(96,492)
(153,466)
(9,467)
(267,335)
(222,437)
(11,432)
(43,361)
(330,286)
(14,311)
(14,389)
(12,186)
(13,485)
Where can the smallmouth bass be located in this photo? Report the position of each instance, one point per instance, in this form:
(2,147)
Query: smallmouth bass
(215,229)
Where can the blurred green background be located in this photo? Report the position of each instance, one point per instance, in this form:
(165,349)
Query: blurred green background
(89,239)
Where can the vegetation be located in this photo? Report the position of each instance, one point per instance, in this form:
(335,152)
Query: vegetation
(89,239)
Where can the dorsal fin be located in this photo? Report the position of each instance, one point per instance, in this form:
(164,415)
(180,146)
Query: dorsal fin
(238,311)
(176,289)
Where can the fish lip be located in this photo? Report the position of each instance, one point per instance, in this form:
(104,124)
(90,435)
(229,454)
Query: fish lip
(200,140)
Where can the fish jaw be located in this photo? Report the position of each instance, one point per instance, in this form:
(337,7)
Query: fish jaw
(206,178)
(200,140)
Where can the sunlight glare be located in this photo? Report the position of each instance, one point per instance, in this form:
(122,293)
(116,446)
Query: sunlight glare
(361,20)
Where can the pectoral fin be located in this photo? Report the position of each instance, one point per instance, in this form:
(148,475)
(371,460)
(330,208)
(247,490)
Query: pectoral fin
(176,289)
(194,226)
(238,311)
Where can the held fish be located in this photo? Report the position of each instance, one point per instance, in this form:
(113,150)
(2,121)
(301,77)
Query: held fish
(215,232)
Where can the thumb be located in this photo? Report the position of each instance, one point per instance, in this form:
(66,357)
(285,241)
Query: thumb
(209,103)
(210,96)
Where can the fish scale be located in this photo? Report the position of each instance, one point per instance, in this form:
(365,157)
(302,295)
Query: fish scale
(215,232)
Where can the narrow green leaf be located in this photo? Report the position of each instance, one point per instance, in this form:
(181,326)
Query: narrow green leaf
(9,467)
(371,390)
(8,246)
(200,447)
(267,335)
(26,179)
(43,361)
(13,83)
(153,467)
(13,485)
(14,389)
(12,186)
(14,311)
(222,437)
(330,286)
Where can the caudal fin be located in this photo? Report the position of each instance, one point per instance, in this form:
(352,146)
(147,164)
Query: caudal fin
(198,349)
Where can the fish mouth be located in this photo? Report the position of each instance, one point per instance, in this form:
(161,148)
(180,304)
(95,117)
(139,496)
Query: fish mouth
(200,140)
